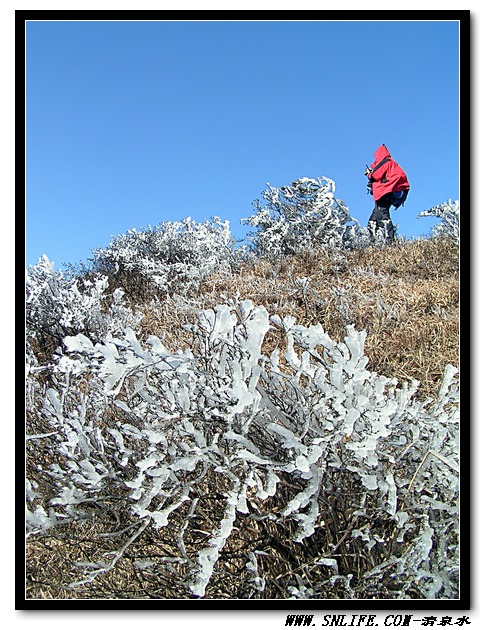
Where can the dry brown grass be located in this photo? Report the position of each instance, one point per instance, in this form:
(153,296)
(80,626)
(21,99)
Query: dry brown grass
(405,296)
(51,560)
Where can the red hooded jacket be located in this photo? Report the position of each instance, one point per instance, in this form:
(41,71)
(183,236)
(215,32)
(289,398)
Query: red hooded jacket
(388,176)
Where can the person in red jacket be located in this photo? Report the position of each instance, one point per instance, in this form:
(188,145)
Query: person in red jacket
(389,186)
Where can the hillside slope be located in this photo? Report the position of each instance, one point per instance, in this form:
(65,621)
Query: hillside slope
(405,296)
(322,511)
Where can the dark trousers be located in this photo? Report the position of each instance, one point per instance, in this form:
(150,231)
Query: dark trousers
(380,219)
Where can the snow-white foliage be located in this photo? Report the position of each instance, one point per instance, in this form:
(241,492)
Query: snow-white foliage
(225,410)
(449,213)
(300,215)
(56,305)
(172,256)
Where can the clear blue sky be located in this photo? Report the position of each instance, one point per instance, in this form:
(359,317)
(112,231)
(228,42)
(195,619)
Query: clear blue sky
(129,124)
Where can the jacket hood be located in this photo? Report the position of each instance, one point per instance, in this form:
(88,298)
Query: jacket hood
(381,153)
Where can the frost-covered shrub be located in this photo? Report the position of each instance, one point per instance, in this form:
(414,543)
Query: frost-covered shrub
(57,306)
(170,257)
(300,215)
(300,439)
(449,213)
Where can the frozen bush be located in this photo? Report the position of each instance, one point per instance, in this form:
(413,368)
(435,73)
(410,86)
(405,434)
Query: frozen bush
(169,258)
(57,306)
(449,213)
(225,414)
(300,215)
